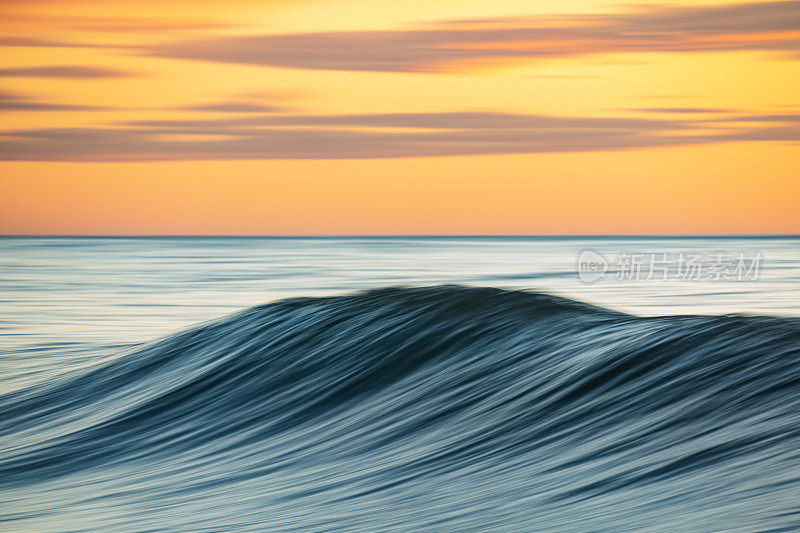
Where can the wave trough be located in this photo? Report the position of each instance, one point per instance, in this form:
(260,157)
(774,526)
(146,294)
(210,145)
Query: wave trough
(419,409)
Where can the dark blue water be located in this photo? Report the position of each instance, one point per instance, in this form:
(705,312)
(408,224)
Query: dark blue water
(444,408)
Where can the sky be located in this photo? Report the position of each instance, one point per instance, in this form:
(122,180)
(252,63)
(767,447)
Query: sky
(399,117)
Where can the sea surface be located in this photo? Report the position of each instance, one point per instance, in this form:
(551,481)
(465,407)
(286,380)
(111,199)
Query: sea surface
(400,384)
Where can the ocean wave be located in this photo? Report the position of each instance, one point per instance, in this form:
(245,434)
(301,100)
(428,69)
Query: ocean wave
(419,409)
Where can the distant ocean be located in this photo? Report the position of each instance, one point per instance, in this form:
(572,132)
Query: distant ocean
(400,384)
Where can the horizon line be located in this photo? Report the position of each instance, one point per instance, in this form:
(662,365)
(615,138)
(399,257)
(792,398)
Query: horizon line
(403,235)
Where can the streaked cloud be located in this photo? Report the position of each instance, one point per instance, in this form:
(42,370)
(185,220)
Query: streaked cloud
(35,42)
(682,110)
(234,107)
(253,102)
(370,136)
(68,72)
(15,102)
(764,26)
(436,121)
(783,117)
(29,21)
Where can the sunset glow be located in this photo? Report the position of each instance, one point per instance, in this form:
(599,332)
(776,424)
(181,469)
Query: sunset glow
(357,117)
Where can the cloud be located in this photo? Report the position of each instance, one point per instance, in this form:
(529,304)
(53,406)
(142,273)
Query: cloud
(234,107)
(66,72)
(33,42)
(32,21)
(786,117)
(366,136)
(442,121)
(250,103)
(13,102)
(767,26)
(682,110)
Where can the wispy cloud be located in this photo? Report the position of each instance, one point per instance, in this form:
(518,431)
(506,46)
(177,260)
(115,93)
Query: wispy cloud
(782,117)
(66,72)
(15,102)
(31,21)
(35,42)
(234,107)
(767,26)
(275,101)
(368,136)
(682,110)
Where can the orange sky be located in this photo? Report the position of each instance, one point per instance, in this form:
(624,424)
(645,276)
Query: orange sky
(399,117)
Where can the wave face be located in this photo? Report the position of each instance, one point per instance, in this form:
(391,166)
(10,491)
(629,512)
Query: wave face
(424,409)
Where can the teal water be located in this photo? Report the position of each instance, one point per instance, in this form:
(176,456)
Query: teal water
(458,407)
(112,290)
